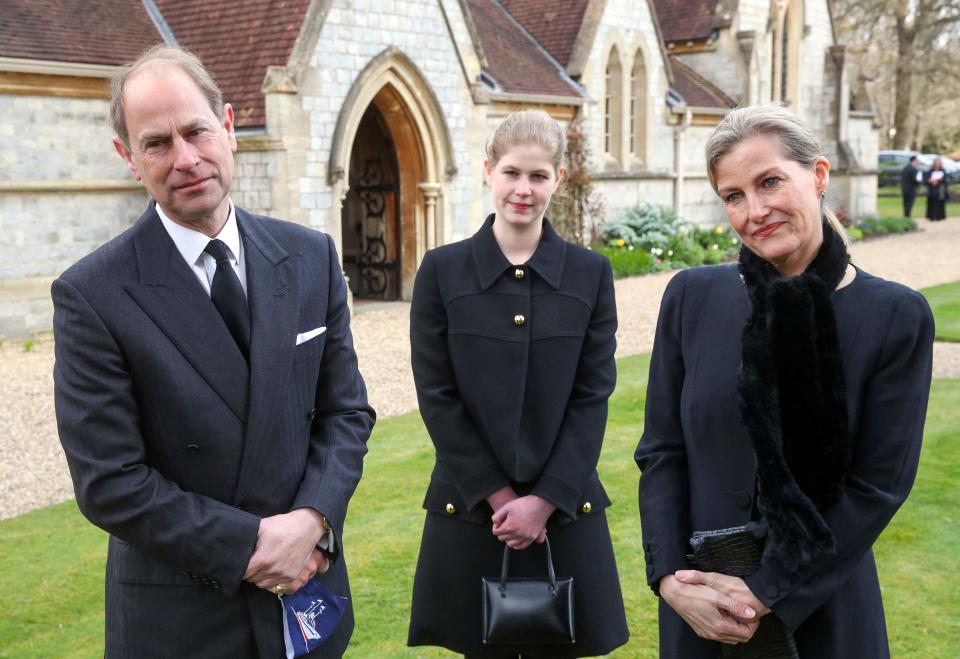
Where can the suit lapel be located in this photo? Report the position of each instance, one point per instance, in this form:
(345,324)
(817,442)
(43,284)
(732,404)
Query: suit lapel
(272,286)
(171,296)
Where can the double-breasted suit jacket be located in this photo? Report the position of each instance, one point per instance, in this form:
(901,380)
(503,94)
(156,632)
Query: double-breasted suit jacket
(178,447)
(699,469)
(513,367)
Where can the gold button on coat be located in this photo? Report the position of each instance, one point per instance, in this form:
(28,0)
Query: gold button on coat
(451,509)
(587,507)
(519,320)
(518,273)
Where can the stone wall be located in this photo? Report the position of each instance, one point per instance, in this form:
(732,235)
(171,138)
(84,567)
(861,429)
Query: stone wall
(253,179)
(64,191)
(628,26)
(349,40)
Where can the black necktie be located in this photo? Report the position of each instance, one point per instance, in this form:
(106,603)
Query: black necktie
(228,297)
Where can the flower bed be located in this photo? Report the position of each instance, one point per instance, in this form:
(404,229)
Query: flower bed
(651,238)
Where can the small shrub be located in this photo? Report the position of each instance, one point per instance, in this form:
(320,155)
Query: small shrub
(669,242)
(872,226)
(28,345)
(627,262)
(645,227)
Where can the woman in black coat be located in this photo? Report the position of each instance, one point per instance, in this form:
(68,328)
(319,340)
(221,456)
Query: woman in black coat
(937,193)
(790,390)
(512,335)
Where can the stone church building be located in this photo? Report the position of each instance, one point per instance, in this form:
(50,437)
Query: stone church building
(367,119)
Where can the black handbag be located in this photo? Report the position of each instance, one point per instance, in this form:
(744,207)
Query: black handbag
(736,552)
(520,610)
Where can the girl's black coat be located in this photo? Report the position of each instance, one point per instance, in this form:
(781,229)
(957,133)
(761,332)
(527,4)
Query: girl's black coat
(509,400)
(699,468)
(513,368)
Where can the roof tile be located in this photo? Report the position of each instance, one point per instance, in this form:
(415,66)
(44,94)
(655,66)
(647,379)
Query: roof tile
(261,33)
(109,32)
(554,24)
(685,20)
(514,59)
(697,90)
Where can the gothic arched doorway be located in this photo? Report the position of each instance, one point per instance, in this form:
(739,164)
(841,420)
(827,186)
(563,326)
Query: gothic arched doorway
(391,117)
(370,214)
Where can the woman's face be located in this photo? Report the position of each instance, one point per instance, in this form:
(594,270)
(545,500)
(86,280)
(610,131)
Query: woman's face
(937,163)
(773,203)
(523,180)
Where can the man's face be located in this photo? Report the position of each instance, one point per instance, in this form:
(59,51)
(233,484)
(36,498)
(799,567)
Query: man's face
(178,148)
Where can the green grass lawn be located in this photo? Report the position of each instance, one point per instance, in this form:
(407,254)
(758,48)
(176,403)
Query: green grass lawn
(51,571)
(945,302)
(893,207)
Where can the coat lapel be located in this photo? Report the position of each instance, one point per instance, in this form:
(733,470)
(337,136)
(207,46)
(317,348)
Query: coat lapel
(272,286)
(169,293)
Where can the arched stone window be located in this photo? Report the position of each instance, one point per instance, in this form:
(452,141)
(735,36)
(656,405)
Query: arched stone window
(638,108)
(784,51)
(612,108)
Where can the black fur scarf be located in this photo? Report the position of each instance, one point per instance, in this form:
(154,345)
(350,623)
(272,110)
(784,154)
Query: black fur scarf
(793,402)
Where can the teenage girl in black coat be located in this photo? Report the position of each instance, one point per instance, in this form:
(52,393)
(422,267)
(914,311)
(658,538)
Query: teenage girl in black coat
(512,334)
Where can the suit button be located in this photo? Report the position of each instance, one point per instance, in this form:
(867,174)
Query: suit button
(519,320)
(451,509)
(193,449)
(587,507)
(518,274)
(312,414)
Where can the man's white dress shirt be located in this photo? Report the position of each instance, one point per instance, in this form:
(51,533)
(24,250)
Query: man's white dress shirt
(191,243)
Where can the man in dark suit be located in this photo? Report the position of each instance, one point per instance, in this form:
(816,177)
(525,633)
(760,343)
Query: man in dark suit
(207,392)
(908,185)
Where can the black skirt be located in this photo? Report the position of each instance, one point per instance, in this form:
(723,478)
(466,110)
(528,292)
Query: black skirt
(936,207)
(455,555)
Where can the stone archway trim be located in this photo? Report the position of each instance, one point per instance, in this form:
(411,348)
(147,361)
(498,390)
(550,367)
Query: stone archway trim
(392,66)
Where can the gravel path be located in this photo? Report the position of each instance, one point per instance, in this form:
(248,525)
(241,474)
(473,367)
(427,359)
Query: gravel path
(33,472)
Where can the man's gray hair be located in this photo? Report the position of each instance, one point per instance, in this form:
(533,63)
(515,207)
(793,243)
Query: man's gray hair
(179,57)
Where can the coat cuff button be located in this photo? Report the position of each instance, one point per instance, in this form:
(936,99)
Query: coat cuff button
(451,509)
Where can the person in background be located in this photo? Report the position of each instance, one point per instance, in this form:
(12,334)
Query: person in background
(789,389)
(937,192)
(910,178)
(513,338)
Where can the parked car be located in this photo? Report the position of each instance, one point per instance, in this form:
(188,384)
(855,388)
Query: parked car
(891,163)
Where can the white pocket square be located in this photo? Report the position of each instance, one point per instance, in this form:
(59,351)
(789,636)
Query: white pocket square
(306,336)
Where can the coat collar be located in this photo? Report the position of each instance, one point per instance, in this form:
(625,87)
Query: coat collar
(169,293)
(547,260)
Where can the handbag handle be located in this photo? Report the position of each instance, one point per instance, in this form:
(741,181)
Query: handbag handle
(505,568)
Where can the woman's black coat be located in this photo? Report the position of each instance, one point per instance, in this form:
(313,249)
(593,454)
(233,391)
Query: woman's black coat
(937,196)
(513,367)
(699,468)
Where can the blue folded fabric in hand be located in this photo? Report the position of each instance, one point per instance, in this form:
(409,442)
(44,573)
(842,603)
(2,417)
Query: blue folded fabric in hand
(310,616)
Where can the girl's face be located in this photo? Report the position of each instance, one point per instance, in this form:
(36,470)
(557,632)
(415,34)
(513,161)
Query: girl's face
(523,181)
(773,203)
